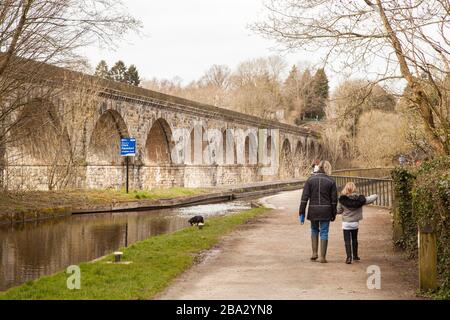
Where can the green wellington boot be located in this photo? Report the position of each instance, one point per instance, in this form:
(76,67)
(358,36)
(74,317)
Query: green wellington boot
(355,251)
(315,247)
(323,251)
(348,250)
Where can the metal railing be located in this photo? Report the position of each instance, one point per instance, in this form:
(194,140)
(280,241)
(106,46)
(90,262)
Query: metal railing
(381,172)
(384,188)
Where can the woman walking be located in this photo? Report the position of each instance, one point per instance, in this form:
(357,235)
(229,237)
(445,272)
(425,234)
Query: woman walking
(321,193)
(350,206)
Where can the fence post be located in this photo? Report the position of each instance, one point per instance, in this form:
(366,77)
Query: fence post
(427,259)
(397,225)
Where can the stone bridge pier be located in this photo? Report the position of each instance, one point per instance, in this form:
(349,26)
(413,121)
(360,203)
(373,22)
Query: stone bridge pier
(179,143)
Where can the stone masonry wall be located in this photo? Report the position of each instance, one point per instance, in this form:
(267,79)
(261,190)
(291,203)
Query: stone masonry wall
(192,134)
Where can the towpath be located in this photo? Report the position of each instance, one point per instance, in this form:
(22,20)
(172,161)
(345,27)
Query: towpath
(268,258)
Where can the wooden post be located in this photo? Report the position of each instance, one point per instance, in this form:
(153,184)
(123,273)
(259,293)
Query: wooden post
(427,259)
(397,225)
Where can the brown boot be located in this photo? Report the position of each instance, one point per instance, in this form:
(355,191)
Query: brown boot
(315,247)
(323,251)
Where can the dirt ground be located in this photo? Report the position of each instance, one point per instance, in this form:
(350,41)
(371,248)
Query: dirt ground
(269,259)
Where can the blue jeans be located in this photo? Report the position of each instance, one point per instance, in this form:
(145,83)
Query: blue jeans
(321,227)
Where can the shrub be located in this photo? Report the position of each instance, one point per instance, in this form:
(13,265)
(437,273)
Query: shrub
(423,198)
(403,184)
(431,203)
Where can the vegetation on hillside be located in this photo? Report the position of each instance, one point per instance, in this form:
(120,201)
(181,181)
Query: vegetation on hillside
(260,87)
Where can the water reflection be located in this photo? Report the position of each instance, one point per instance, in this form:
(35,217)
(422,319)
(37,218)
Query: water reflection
(31,250)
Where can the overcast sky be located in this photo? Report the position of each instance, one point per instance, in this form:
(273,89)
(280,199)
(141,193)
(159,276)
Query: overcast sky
(185,37)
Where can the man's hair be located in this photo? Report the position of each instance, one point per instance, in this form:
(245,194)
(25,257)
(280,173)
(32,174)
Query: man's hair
(325,166)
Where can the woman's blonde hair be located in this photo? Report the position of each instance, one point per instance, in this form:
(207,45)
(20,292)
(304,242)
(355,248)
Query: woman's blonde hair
(349,188)
(325,166)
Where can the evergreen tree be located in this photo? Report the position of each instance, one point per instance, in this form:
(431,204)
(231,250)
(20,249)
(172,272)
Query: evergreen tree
(321,87)
(101,70)
(292,88)
(118,72)
(307,95)
(293,78)
(292,94)
(320,91)
(132,76)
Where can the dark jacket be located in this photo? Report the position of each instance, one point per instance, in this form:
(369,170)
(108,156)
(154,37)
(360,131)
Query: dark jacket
(321,192)
(350,206)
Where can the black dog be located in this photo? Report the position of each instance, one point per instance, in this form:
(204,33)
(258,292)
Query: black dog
(196,220)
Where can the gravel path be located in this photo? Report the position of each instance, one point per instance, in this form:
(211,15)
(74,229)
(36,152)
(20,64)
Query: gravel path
(268,258)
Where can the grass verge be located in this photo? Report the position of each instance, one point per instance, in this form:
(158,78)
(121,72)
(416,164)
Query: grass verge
(44,200)
(156,261)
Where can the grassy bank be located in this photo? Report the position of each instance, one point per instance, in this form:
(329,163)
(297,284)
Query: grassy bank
(156,261)
(45,200)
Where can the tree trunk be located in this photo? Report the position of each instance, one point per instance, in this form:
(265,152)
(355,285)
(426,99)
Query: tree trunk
(420,100)
(419,96)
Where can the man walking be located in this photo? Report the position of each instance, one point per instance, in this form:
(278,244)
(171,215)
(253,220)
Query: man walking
(321,192)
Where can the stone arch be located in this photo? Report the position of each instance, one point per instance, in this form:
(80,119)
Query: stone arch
(269,149)
(247,150)
(300,149)
(159,143)
(310,149)
(316,149)
(39,135)
(224,147)
(286,147)
(198,144)
(104,147)
(299,159)
(228,147)
(286,163)
(250,149)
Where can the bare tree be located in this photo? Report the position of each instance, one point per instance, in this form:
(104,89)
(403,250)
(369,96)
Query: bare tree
(49,132)
(348,103)
(405,39)
(217,76)
(379,141)
(34,33)
(257,86)
(335,143)
(353,97)
(81,97)
(172,87)
(51,31)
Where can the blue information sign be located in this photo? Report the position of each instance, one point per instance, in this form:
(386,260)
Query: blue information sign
(128,147)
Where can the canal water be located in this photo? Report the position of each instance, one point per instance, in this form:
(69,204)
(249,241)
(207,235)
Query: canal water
(34,249)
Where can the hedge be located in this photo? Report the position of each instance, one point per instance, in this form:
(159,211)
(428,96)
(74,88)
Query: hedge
(423,198)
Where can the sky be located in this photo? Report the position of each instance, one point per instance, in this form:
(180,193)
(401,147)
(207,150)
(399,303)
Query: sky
(183,38)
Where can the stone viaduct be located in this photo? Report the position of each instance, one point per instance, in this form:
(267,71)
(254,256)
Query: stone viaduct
(179,142)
